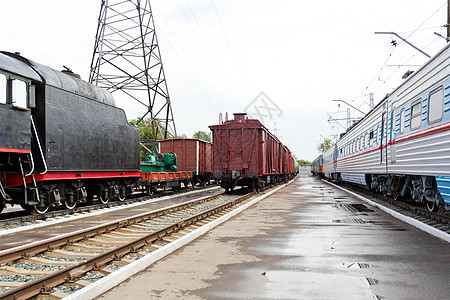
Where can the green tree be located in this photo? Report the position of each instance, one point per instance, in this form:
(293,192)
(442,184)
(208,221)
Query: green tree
(201,135)
(151,131)
(325,145)
(303,162)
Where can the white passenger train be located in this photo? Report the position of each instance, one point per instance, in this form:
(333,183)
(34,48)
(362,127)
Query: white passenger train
(402,146)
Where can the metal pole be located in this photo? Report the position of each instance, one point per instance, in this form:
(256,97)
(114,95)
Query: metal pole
(393,33)
(351,106)
(448,21)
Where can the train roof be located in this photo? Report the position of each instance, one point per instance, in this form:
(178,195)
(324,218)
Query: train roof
(241,120)
(68,81)
(18,67)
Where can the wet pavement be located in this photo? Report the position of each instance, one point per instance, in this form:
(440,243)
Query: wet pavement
(306,241)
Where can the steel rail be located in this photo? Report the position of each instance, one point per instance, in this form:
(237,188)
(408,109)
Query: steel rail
(89,208)
(69,238)
(46,283)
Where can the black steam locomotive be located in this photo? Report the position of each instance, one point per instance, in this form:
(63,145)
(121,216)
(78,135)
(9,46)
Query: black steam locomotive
(62,140)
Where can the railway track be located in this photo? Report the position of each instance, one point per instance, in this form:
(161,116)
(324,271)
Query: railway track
(439,220)
(57,267)
(23,218)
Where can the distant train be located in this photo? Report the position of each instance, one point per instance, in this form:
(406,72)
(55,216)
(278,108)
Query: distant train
(402,146)
(245,153)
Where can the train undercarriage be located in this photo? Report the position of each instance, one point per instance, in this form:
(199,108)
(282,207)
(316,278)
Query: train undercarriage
(256,183)
(421,189)
(41,196)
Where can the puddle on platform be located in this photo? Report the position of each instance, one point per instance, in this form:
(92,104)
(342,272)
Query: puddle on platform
(353,207)
(306,193)
(311,285)
(350,221)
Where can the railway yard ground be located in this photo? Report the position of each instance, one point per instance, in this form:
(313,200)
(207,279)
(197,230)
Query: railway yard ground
(309,240)
(63,225)
(305,240)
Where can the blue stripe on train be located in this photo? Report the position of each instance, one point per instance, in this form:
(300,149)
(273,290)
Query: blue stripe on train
(443,184)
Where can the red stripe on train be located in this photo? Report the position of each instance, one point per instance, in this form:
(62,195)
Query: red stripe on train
(16,179)
(11,150)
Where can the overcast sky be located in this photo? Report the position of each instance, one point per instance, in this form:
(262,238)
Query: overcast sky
(220,55)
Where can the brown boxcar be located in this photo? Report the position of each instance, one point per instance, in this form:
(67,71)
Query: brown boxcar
(245,153)
(193,155)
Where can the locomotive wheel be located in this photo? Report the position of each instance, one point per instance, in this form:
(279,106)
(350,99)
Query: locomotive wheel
(103,200)
(431,206)
(121,198)
(70,205)
(41,209)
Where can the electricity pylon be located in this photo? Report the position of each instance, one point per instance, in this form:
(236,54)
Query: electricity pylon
(127,62)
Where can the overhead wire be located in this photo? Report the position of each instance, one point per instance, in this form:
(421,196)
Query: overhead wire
(180,57)
(231,48)
(219,67)
(445,3)
(390,55)
(434,40)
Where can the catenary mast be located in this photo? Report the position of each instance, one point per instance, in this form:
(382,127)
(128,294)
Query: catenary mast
(127,62)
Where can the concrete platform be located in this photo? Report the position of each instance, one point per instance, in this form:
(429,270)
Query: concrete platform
(306,241)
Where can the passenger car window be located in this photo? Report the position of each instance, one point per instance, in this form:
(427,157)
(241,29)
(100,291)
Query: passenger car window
(416,114)
(3,89)
(436,105)
(19,94)
(402,120)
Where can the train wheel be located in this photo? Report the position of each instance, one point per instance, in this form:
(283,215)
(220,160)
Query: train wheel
(395,187)
(70,205)
(149,189)
(102,199)
(395,195)
(431,206)
(122,193)
(120,197)
(41,208)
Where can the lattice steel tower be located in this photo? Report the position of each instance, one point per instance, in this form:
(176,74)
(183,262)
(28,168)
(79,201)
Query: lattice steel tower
(127,62)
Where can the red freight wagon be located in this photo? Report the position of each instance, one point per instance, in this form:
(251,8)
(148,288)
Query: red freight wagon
(245,153)
(193,155)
